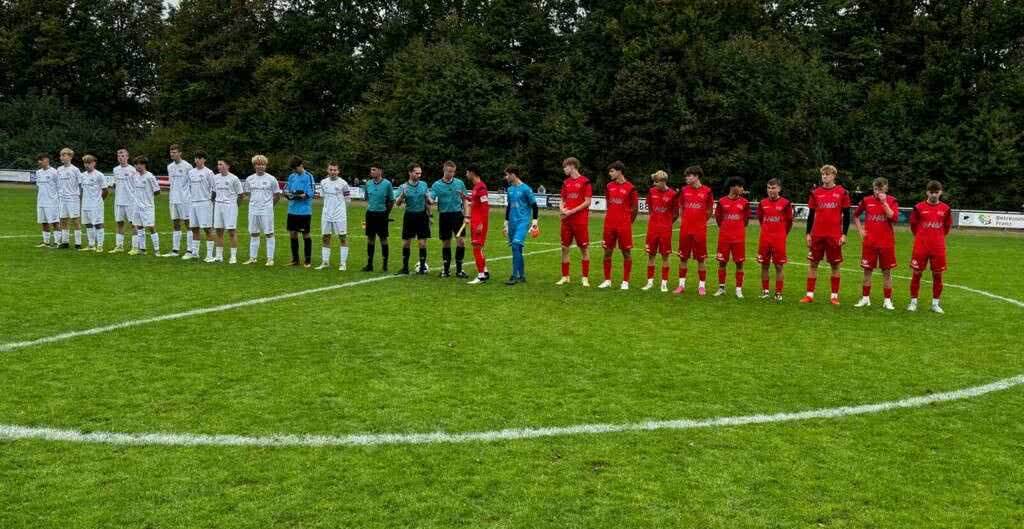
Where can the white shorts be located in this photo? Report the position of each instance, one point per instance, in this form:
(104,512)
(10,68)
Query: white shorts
(47,215)
(261,224)
(92,216)
(70,208)
(123,213)
(336,228)
(225,216)
(200,215)
(144,217)
(180,212)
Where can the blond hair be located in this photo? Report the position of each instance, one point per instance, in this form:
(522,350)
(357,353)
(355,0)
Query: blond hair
(67,150)
(88,158)
(660,175)
(830,169)
(259,159)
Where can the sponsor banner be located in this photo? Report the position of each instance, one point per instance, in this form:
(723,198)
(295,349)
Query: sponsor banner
(987,219)
(14,175)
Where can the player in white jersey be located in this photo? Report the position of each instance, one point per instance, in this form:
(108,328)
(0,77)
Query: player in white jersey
(124,202)
(227,189)
(146,187)
(177,173)
(200,211)
(69,191)
(94,190)
(263,192)
(335,193)
(47,203)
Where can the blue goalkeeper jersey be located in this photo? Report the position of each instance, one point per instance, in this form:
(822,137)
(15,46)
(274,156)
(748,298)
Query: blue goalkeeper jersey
(520,204)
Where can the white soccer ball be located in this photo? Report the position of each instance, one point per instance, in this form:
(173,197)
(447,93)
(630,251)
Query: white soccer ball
(426,267)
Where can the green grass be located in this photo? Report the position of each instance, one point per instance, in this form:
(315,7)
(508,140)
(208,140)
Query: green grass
(424,354)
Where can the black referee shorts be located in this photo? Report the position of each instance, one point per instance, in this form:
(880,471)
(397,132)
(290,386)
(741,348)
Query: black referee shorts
(376,224)
(450,224)
(299,223)
(416,226)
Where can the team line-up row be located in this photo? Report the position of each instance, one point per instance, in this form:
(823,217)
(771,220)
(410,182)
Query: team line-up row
(204,201)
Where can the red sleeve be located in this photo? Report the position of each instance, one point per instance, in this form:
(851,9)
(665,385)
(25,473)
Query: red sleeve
(718,215)
(760,213)
(895,207)
(948,223)
(914,219)
(561,193)
(846,199)
(710,202)
(636,200)
(789,217)
(746,213)
(811,202)
(588,191)
(860,209)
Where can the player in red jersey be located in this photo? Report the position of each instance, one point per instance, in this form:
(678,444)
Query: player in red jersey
(575,213)
(930,222)
(827,224)
(663,211)
(775,214)
(881,211)
(477,210)
(732,216)
(623,205)
(696,204)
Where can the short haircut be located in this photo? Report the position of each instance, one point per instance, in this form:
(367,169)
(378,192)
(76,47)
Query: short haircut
(571,161)
(335,164)
(618,166)
(449,163)
(294,162)
(201,154)
(734,181)
(775,182)
(259,159)
(934,186)
(694,170)
(226,161)
(119,149)
(174,147)
(42,156)
(376,165)
(512,169)
(830,169)
(413,166)
(471,168)
(881,181)
(67,150)
(88,158)
(660,175)
(141,160)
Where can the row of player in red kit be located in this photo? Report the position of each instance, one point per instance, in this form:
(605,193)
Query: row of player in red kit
(829,217)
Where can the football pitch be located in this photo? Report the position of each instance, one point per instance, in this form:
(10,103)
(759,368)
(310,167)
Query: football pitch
(149,392)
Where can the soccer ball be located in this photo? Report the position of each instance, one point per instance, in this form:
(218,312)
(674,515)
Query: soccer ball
(426,267)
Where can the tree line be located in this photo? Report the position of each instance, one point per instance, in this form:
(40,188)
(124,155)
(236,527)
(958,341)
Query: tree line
(911,90)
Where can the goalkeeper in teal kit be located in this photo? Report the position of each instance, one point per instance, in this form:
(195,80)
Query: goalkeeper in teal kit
(520,218)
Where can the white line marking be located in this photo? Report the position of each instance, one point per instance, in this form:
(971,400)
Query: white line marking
(8,431)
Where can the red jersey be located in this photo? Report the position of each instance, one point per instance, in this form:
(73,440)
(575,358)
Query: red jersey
(479,206)
(776,218)
(696,205)
(731,216)
(574,192)
(828,206)
(623,199)
(930,223)
(662,208)
(877,225)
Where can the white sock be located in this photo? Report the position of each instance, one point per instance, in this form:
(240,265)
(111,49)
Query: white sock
(344,254)
(46,237)
(935,302)
(189,240)
(100,238)
(90,234)
(209,248)
(271,245)
(325,254)
(810,295)
(119,240)
(156,241)
(834,295)
(701,284)
(219,252)
(193,246)
(65,236)
(78,237)
(234,254)
(254,247)
(141,238)
(175,240)
(682,282)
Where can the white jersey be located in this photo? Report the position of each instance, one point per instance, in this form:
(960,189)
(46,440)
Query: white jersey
(69,180)
(144,187)
(93,184)
(200,185)
(46,183)
(227,187)
(123,185)
(334,193)
(261,190)
(177,172)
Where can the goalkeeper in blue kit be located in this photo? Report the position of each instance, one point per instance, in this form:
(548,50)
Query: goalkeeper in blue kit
(520,218)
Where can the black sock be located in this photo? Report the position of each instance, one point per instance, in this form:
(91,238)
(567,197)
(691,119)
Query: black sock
(405,258)
(307,248)
(370,248)
(295,250)
(423,257)
(446,256)
(384,254)
(460,255)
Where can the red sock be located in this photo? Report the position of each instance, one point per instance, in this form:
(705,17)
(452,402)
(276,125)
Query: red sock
(565,269)
(812,282)
(478,256)
(664,273)
(586,268)
(887,292)
(650,271)
(607,269)
(682,272)
(778,286)
(702,275)
(936,285)
(627,269)
(835,285)
(721,277)
(739,279)
(915,285)
(864,290)
(764,284)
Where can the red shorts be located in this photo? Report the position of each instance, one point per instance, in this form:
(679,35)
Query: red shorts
(620,235)
(575,231)
(481,237)
(693,246)
(920,260)
(659,241)
(769,252)
(737,249)
(825,247)
(872,257)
